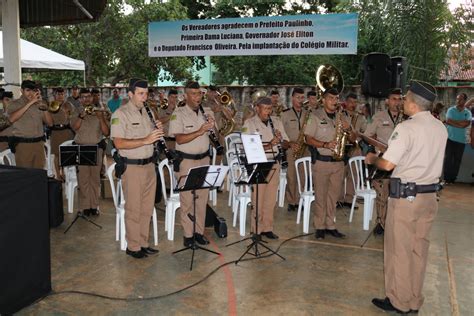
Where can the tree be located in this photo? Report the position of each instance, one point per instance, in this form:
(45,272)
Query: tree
(116,47)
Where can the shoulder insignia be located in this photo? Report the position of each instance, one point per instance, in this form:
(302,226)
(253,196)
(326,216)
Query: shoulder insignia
(394,136)
(115,121)
(173,117)
(244,129)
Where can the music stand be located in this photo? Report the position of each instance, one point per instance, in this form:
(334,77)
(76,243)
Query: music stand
(198,178)
(254,173)
(78,155)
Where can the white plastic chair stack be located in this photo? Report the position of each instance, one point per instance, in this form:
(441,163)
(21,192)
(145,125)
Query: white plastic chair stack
(241,197)
(70,181)
(172,202)
(282,188)
(213,193)
(305,189)
(119,203)
(362,188)
(49,159)
(8,156)
(230,155)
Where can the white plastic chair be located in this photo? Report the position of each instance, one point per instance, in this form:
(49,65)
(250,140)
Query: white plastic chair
(241,197)
(282,187)
(172,202)
(360,177)
(213,193)
(70,181)
(305,189)
(9,156)
(119,203)
(49,159)
(230,155)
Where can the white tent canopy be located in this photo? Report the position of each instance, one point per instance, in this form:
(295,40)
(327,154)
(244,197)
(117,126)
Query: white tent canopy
(37,57)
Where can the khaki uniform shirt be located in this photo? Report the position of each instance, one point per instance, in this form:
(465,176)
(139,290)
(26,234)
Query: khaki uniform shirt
(129,123)
(382,125)
(185,121)
(63,116)
(358,121)
(89,133)
(293,122)
(417,147)
(323,128)
(75,102)
(218,116)
(31,123)
(254,125)
(166,114)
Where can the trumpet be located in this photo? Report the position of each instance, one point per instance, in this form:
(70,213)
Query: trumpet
(164,104)
(91,109)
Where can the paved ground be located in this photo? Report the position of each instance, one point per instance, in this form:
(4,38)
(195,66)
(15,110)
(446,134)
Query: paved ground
(333,277)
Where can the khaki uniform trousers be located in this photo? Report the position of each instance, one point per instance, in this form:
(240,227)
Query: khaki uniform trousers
(186,199)
(57,138)
(292,195)
(266,202)
(406,246)
(328,180)
(381,187)
(88,179)
(139,186)
(30,155)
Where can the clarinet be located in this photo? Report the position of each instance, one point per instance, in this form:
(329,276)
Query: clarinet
(281,156)
(212,134)
(160,145)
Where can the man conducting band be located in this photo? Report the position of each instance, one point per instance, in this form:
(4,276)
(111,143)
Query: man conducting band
(134,135)
(293,120)
(328,173)
(266,192)
(382,126)
(61,129)
(415,154)
(28,114)
(190,128)
(90,129)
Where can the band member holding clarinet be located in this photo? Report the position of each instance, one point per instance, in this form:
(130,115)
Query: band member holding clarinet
(274,138)
(194,130)
(134,135)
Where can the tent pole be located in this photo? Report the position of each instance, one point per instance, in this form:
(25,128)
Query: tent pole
(11,45)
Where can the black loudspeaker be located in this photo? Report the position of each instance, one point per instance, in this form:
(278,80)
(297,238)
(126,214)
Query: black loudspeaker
(377,75)
(399,70)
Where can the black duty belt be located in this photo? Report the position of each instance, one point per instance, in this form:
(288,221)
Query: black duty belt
(326,158)
(193,157)
(17,139)
(140,162)
(59,127)
(411,189)
(4,139)
(171,139)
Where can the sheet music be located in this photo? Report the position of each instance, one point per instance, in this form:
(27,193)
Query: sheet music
(253,148)
(216,175)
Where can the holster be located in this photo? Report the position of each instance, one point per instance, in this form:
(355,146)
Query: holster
(177,161)
(120,165)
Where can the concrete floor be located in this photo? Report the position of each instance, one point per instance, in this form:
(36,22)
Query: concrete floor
(332,277)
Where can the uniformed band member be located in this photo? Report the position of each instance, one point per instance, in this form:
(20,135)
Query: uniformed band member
(90,130)
(74,97)
(266,192)
(27,129)
(277,106)
(134,135)
(328,174)
(293,121)
(382,126)
(165,116)
(358,124)
(61,129)
(312,99)
(5,123)
(190,128)
(415,154)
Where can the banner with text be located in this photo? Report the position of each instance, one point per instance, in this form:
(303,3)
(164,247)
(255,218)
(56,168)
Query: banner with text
(273,35)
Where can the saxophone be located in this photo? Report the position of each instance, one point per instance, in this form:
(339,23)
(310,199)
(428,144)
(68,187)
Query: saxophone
(301,139)
(341,137)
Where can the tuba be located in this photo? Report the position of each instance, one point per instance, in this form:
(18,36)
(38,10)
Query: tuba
(328,77)
(228,126)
